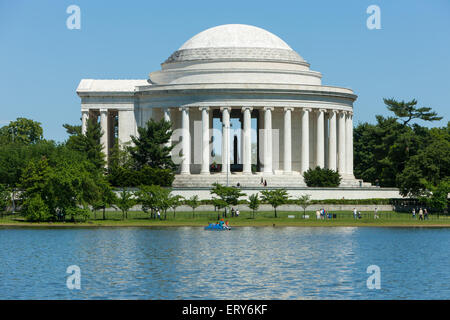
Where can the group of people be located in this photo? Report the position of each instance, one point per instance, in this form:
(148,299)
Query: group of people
(323,214)
(235,212)
(263,182)
(423,214)
(356,214)
(223,224)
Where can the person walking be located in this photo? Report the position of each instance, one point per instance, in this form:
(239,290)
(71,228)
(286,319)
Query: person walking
(355,213)
(425,214)
(420,214)
(375,216)
(318,215)
(414,213)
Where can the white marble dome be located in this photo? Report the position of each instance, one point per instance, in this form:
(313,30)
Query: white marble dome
(235,53)
(235,36)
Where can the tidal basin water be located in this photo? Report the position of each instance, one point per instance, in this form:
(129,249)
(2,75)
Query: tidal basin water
(244,263)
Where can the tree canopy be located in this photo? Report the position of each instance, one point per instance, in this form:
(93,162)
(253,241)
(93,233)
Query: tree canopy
(394,152)
(22,130)
(151,145)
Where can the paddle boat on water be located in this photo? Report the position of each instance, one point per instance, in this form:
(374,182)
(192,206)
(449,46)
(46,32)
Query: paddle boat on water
(218,226)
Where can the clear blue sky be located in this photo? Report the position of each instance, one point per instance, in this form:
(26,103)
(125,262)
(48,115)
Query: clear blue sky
(42,62)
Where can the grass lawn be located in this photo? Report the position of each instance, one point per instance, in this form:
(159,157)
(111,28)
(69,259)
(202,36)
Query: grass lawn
(141,219)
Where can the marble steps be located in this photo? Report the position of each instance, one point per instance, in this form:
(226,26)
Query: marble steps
(253,180)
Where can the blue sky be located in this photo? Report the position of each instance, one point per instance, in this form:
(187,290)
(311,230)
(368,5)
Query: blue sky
(42,62)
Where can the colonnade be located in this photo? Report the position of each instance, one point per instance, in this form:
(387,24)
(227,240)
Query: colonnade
(332,142)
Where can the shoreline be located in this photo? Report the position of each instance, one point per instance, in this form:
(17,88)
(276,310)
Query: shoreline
(318,224)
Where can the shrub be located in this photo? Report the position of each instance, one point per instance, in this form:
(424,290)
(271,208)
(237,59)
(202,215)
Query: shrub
(35,209)
(321,177)
(124,177)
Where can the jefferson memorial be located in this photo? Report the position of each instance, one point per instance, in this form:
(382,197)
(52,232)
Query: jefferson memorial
(244,106)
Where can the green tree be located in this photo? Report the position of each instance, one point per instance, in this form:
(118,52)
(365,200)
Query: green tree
(384,151)
(153,198)
(275,198)
(304,201)
(193,202)
(22,131)
(65,184)
(87,144)
(229,196)
(408,111)
(151,145)
(104,197)
(35,209)
(437,198)
(125,201)
(14,157)
(322,177)
(253,203)
(5,198)
(427,168)
(175,202)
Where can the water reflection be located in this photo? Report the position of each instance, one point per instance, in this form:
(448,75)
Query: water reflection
(245,263)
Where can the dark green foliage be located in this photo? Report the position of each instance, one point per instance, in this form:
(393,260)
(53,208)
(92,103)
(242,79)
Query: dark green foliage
(428,167)
(148,162)
(126,177)
(14,157)
(322,177)
(88,144)
(400,154)
(150,147)
(5,197)
(34,208)
(438,195)
(408,111)
(21,131)
(65,183)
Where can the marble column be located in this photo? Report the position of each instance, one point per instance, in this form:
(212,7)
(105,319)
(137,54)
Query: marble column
(205,140)
(332,144)
(305,139)
(186,142)
(127,126)
(247,141)
(104,141)
(341,144)
(320,139)
(287,141)
(349,143)
(327,137)
(84,121)
(166,113)
(225,139)
(268,140)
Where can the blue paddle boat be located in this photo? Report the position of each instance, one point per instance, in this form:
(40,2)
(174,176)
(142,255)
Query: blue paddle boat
(218,227)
